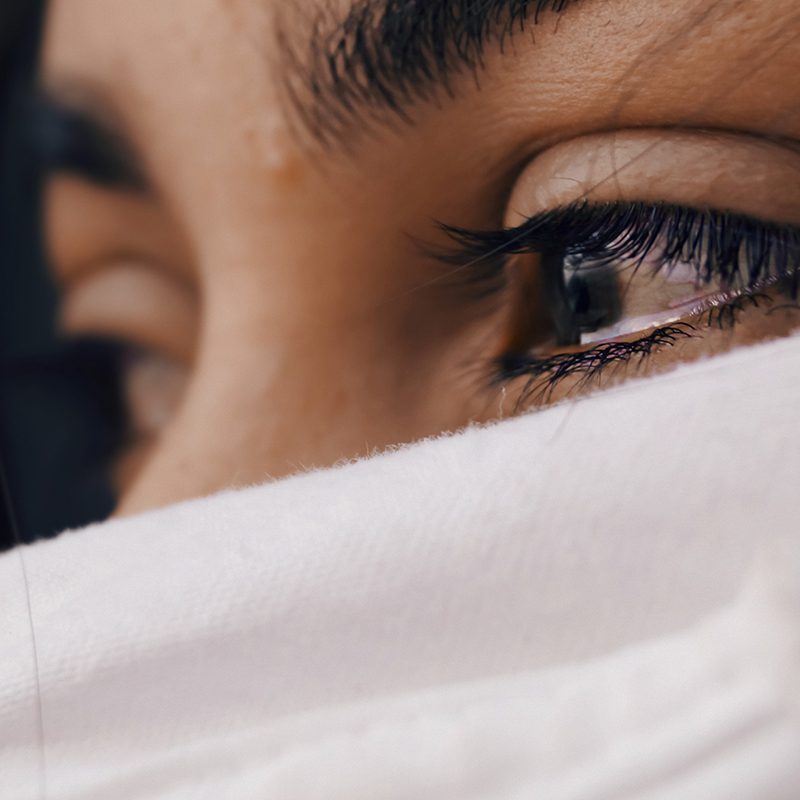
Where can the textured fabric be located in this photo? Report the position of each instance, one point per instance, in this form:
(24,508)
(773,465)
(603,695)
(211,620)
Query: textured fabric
(601,600)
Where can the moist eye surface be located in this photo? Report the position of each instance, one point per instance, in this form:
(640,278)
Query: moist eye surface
(623,281)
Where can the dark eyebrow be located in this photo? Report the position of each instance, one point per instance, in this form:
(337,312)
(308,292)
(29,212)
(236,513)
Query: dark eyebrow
(84,140)
(384,55)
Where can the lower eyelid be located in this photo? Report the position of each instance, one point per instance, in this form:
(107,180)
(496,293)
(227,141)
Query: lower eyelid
(684,167)
(701,304)
(133,302)
(545,373)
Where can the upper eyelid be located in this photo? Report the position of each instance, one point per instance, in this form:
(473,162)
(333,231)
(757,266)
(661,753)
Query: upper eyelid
(479,259)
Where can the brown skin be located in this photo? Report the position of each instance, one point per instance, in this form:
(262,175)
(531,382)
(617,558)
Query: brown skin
(282,278)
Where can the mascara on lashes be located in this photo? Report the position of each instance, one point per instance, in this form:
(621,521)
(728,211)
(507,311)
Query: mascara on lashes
(738,251)
(717,242)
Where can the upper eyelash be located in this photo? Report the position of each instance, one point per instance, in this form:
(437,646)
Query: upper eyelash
(719,243)
(741,252)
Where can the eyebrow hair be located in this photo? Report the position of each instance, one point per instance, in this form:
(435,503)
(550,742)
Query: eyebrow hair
(384,55)
(81,139)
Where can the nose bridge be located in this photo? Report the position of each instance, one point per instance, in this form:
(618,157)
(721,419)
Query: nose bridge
(297,353)
(270,394)
(253,418)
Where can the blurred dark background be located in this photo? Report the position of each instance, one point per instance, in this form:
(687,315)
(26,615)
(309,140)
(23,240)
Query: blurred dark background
(59,414)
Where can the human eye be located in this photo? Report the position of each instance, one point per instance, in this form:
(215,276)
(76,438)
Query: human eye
(623,282)
(121,267)
(602,288)
(143,321)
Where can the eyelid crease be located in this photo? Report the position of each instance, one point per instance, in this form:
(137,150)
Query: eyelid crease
(90,269)
(86,227)
(134,302)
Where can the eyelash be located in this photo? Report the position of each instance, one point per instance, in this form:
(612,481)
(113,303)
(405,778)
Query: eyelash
(739,251)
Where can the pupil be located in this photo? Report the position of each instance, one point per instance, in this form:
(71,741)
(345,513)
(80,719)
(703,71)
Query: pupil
(580,296)
(592,295)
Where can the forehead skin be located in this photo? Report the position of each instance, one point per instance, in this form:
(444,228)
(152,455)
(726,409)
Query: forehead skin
(301,249)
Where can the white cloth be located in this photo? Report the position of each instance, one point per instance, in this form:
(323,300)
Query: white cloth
(598,601)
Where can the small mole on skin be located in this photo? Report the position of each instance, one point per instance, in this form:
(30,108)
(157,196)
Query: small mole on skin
(273,149)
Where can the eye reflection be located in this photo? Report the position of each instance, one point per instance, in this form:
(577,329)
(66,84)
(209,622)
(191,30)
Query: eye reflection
(596,302)
(584,298)
(610,283)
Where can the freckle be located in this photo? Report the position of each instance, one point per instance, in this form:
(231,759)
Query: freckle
(273,148)
(284,163)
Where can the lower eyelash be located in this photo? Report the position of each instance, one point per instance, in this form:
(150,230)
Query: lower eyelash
(726,315)
(544,374)
(740,252)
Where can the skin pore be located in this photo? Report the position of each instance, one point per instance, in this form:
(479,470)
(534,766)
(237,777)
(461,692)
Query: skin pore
(271,254)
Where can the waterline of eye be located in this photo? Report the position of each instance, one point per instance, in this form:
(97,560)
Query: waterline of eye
(682,311)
